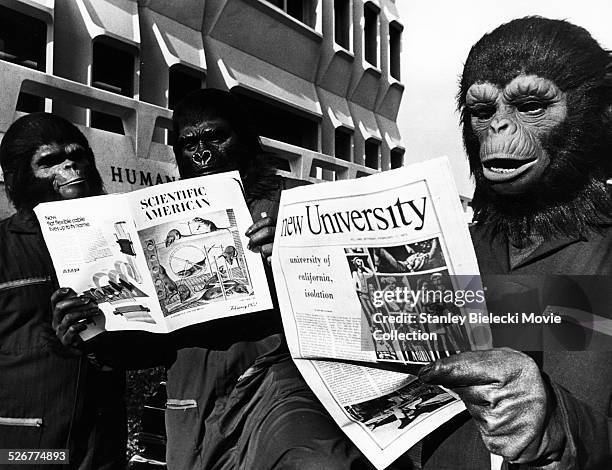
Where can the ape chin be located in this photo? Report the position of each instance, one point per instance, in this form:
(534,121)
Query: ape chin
(519,218)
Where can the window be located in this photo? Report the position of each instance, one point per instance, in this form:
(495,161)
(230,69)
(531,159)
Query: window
(181,82)
(23,41)
(301,10)
(282,123)
(372,154)
(112,70)
(370,34)
(342,144)
(395,49)
(397,158)
(342,23)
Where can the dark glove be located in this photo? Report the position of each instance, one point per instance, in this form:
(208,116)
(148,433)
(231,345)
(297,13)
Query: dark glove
(261,236)
(509,400)
(70,315)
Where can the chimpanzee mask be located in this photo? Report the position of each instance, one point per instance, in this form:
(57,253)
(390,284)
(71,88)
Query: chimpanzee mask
(535,99)
(46,158)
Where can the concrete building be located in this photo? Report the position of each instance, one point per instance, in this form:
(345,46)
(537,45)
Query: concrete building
(321,76)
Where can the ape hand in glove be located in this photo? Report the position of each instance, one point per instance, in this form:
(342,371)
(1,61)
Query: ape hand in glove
(506,395)
(261,237)
(70,316)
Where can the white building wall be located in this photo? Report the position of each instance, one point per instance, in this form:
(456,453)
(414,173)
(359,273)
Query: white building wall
(248,46)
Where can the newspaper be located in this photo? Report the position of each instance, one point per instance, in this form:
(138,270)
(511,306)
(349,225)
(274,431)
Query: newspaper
(160,258)
(374,274)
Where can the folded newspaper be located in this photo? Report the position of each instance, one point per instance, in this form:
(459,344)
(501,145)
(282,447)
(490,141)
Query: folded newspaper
(159,258)
(371,273)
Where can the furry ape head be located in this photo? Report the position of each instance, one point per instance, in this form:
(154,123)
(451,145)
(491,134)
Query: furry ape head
(535,97)
(33,156)
(218,128)
(214,133)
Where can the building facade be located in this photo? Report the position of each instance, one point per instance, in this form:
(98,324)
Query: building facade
(321,77)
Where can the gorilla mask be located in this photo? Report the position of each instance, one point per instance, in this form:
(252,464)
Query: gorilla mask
(214,134)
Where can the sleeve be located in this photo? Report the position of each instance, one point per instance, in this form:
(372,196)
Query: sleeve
(586,435)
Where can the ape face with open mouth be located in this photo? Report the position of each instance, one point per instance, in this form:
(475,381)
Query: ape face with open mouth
(535,97)
(510,123)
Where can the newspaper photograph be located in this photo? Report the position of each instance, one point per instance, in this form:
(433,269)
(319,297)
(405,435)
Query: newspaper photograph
(372,275)
(160,258)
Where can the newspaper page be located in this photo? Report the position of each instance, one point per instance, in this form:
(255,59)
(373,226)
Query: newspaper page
(375,274)
(160,258)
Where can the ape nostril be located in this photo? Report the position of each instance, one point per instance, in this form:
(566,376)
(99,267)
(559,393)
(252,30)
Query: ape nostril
(501,125)
(498,125)
(200,158)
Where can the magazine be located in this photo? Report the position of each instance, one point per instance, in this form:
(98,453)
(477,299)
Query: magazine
(375,277)
(160,258)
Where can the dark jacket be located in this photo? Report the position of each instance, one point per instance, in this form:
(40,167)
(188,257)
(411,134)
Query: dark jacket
(208,362)
(566,273)
(49,399)
(209,415)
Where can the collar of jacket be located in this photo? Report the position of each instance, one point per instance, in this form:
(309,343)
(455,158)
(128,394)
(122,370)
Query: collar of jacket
(517,257)
(24,221)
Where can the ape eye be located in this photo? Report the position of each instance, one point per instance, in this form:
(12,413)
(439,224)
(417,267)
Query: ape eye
(77,155)
(52,160)
(531,108)
(483,112)
(190,146)
(218,136)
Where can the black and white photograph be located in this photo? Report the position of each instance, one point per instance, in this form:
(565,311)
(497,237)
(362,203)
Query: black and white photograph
(509,105)
(411,258)
(399,409)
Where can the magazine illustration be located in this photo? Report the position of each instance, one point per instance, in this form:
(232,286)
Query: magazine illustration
(159,258)
(196,261)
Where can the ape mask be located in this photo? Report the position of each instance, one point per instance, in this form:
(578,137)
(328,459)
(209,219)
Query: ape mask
(535,98)
(46,158)
(215,134)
